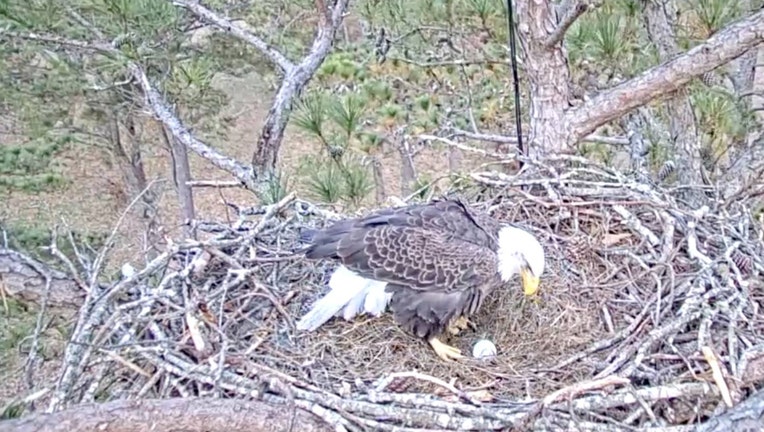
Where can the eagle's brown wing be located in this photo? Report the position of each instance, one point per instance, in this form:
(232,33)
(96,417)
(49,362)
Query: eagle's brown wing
(447,216)
(451,216)
(434,275)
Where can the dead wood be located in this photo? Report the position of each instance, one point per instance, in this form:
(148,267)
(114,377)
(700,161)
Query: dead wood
(177,414)
(648,318)
(25,278)
(748,416)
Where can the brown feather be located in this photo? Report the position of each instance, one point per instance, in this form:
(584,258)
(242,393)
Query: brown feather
(438,259)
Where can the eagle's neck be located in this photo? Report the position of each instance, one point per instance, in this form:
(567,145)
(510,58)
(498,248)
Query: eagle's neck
(509,252)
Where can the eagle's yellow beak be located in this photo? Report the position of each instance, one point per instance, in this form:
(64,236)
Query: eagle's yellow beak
(530,282)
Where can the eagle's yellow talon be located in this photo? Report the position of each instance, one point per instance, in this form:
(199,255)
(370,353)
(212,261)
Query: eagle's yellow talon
(445,352)
(459,324)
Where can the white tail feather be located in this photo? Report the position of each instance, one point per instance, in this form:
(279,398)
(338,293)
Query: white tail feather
(349,295)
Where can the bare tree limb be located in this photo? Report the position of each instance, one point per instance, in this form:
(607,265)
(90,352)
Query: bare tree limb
(724,46)
(266,154)
(189,415)
(238,31)
(506,139)
(444,63)
(25,278)
(155,101)
(572,10)
(164,113)
(747,415)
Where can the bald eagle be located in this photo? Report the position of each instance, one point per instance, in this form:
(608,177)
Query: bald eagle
(433,264)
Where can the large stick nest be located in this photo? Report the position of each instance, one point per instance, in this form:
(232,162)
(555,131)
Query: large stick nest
(648,315)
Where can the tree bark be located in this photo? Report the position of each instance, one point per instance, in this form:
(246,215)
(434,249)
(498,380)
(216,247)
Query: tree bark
(24,278)
(181,171)
(555,126)
(187,415)
(747,416)
(546,69)
(265,158)
(660,17)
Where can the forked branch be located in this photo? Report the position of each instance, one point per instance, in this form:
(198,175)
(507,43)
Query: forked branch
(237,30)
(266,153)
(571,10)
(192,415)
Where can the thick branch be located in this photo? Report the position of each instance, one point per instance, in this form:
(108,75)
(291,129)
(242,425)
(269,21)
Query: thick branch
(237,30)
(164,113)
(723,47)
(158,105)
(265,158)
(189,415)
(24,278)
(747,415)
(572,10)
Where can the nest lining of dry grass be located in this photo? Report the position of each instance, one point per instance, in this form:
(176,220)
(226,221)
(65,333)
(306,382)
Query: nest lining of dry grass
(648,316)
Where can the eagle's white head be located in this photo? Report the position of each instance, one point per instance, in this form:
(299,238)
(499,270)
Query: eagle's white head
(520,252)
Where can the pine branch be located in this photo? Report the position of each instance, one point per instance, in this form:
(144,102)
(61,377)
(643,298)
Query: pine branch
(572,10)
(237,30)
(723,47)
(158,105)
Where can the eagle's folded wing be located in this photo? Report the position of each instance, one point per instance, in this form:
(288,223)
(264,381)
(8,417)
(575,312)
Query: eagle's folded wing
(452,217)
(421,259)
(433,277)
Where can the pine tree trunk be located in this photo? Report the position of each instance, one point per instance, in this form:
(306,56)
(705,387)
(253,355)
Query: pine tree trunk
(546,70)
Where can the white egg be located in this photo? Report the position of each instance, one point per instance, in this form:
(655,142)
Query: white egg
(483,348)
(127,270)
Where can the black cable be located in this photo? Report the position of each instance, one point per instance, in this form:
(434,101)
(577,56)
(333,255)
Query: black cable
(513,53)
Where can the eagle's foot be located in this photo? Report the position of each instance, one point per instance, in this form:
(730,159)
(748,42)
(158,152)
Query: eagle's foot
(445,352)
(460,324)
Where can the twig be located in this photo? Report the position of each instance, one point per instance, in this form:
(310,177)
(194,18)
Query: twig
(382,384)
(32,357)
(465,148)
(573,10)
(505,139)
(575,389)
(213,184)
(716,371)
(99,260)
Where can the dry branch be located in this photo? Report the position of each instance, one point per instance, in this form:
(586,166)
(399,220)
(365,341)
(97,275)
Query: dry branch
(572,10)
(213,319)
(296,75)
(189,415)
(25,278)
(238,30)
(266,153)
